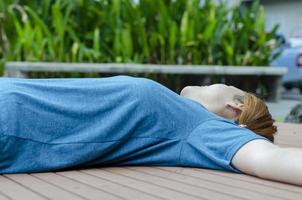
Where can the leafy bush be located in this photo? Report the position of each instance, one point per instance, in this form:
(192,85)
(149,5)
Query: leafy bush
(144,31)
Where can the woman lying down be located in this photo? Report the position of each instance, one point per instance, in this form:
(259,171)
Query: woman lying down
(55,124)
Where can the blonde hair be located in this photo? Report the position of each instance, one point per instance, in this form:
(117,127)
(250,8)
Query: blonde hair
(256,117)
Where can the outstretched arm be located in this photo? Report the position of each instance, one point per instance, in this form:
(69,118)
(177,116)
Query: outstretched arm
(263,159)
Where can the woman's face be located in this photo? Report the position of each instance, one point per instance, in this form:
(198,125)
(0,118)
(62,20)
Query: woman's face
(217,98)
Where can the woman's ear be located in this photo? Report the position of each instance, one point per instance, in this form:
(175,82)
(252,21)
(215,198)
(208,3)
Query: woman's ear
(235,108)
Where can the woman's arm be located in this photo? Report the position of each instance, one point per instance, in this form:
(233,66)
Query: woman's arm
(263,159)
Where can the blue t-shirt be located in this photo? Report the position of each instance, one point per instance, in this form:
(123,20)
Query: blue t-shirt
(53,124)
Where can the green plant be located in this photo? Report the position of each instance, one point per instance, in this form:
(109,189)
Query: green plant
(145,31)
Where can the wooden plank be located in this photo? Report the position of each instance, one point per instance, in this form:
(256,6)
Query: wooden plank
(208,184)
(42,187)
(248,179)
(16,191)
(288,145)
(4,197)
(285,145)
(289,132)
(150,188)
(143,68)
(290,139)
(199,192)
(289,128)
(294,141)
(83,190)
(199,176)
(123,191)
(289,135)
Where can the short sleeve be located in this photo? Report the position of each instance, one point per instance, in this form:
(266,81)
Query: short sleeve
(213,144)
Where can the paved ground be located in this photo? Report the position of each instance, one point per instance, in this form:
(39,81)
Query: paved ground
(282,108)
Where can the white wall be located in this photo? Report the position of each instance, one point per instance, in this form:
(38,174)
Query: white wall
(286,12)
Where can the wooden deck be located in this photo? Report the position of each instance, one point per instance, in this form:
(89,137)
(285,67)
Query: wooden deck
(152,182)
